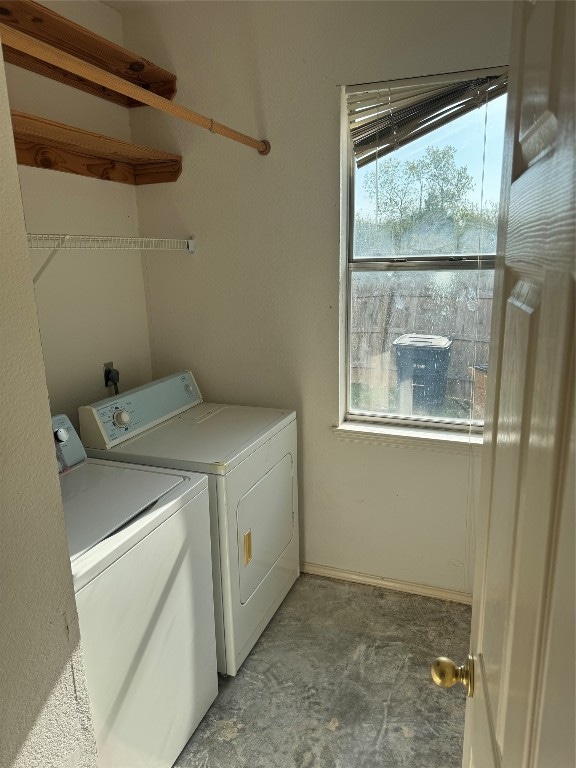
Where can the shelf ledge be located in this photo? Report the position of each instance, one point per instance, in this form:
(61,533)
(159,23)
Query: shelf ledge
(43,24)
(42,143)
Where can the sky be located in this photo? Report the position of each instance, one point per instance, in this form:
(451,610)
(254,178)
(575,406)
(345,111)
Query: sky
(465,134)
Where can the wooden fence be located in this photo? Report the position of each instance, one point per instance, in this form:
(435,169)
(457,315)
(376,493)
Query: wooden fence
(386,305)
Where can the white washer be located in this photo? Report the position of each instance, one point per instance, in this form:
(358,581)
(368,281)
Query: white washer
(139,542)
(249,455)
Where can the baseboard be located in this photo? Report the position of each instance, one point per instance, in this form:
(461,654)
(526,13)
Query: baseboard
(377,581)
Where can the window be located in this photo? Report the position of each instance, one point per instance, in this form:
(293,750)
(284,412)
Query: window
(424,159)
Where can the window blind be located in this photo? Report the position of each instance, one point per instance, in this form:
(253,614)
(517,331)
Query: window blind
(383,117)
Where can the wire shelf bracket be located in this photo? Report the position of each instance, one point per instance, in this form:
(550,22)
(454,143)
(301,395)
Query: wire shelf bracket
(110,242)
(55,243)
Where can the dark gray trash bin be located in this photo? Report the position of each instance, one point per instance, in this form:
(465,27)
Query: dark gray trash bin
(422,364)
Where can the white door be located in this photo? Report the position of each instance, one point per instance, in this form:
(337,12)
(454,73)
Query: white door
(522,711)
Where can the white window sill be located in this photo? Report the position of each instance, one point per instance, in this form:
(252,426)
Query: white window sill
(409,437)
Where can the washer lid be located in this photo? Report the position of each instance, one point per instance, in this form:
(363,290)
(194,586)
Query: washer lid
(98,499)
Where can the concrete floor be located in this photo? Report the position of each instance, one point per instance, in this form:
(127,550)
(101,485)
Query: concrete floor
(340,679)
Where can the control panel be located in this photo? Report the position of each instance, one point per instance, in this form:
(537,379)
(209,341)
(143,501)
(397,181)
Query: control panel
(115,419)
(69,449)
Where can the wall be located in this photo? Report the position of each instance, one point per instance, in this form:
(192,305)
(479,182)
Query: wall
(44,711)
(255,312)
(91,305)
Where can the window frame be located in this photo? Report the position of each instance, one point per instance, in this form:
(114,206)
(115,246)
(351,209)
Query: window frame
(469,430)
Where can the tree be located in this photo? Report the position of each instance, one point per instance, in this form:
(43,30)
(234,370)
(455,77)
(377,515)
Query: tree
(394,194)
(423,206)
(446,185)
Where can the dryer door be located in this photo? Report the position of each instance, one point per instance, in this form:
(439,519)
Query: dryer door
(265,520)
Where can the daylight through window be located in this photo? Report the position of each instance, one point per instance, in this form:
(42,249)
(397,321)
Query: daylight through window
(425,162)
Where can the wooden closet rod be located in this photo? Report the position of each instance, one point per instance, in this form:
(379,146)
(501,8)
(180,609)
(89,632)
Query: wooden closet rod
(50,55)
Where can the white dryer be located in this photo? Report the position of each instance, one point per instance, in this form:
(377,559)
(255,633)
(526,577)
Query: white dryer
(139,542)
(249,455)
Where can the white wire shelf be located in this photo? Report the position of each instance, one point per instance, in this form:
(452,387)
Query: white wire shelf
(109,242)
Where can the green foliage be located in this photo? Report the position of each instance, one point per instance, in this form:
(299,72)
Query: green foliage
(423,206)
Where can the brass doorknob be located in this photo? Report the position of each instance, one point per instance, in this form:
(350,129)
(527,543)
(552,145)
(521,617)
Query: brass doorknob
(446,674)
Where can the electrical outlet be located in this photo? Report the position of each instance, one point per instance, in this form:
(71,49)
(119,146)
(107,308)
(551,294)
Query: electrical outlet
(107,366)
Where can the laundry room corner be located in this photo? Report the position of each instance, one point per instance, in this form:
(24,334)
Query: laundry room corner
(255,311)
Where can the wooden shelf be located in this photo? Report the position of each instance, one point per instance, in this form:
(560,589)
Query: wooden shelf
(42,24)
(35,38)
(42,143)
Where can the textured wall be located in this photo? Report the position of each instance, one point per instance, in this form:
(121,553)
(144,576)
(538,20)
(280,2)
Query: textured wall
(44,711)
(255,312)
(91,304)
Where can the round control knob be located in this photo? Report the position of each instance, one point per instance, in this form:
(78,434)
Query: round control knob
(61,435)
(189,389)
(121,418)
